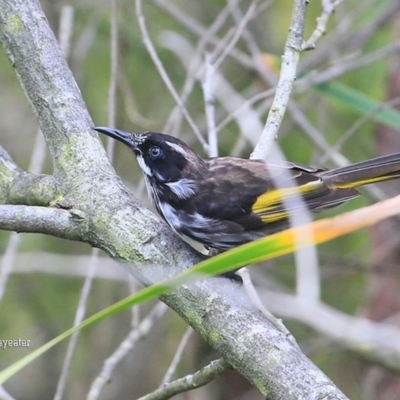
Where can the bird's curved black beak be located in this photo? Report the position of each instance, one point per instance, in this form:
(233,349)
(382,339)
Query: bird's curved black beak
(124,137)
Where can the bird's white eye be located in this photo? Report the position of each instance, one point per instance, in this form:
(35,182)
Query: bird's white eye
(155,152)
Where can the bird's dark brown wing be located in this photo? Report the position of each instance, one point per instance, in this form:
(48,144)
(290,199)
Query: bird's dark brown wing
(236,187)
(247,199)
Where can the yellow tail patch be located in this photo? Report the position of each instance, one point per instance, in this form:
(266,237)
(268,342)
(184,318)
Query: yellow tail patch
(348,185)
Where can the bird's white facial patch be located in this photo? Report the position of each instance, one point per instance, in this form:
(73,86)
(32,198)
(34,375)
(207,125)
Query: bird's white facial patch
(151,191)
(182,188)
(143,165)
(179,149)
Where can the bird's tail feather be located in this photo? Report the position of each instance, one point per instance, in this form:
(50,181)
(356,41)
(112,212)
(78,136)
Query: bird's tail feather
(371,171)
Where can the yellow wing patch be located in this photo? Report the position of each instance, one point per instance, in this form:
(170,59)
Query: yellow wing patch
(272,200)
(273,217)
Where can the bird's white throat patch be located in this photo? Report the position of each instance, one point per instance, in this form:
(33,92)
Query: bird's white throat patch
(184,188)
(143,165)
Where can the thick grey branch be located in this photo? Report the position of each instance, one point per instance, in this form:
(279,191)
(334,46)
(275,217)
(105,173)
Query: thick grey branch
(20,187)
(50,221)
(32,189)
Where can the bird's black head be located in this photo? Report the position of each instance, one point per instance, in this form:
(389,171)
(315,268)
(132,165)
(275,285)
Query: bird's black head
(162,157)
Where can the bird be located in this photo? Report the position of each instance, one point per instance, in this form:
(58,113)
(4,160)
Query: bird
(223,202)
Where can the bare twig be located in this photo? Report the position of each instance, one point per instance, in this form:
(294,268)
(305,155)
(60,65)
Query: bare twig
(343,66)
(4,395)
(376,341)
(287,77)
(255,299)
(164,75)
(67,265)
(192,25)
(246,104)
(8,260)
(248,119)
(126,346)
(328,8)
(79,316)
(177,357)
(208,93)
(227,49)
(35,219)
(189,382)
(195,64)
(113,75)
(66,29)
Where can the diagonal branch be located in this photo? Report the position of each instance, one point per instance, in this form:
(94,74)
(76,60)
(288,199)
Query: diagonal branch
(290,60)
(200,378)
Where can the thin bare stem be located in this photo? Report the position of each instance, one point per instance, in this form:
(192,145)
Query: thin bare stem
(66,29)
(209,103)
(194,66)
(126,346)
(189,382)
(192,25)
(245,105)
(237,33)
(287,77)
(79,316)
(164,75)
(4,395)
(343,66)
(248,119)
(328,8)
(177,357)
(7,262)
(376,341)
(256,301)
(113,75)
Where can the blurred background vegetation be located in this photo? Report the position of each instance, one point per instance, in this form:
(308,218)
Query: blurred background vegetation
(359,272)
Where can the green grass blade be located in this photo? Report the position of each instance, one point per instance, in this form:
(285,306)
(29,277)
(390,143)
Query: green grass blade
(361,103)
